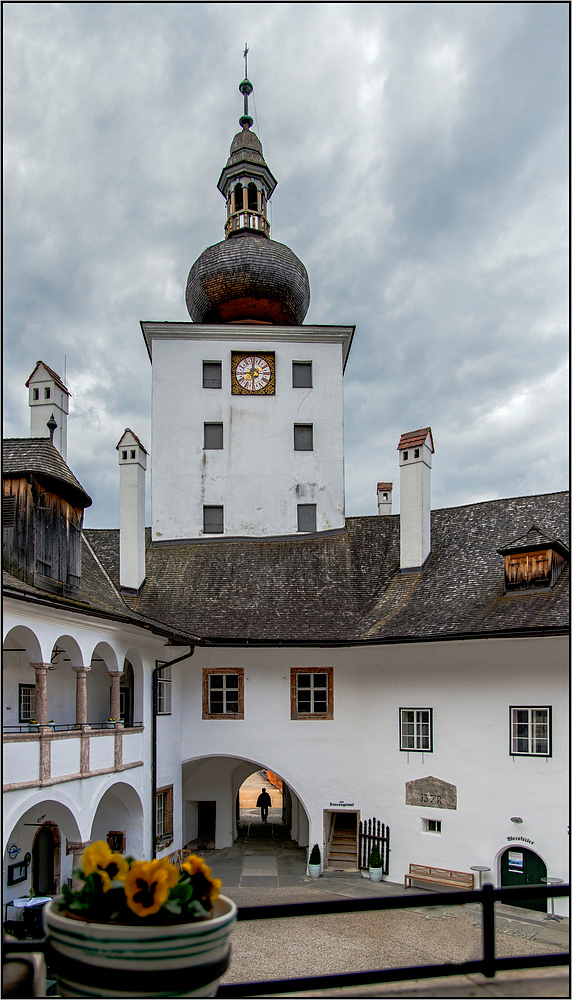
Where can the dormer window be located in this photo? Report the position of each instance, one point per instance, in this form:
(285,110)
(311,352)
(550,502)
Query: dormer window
(35,393)
(405,456)
(533,561)
(47,393)
(416,453)
(132,453)
(124,456)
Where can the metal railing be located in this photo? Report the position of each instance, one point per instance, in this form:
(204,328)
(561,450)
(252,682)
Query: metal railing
(488,965)
(24,727)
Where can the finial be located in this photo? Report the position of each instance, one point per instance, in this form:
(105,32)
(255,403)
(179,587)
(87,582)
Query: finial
(246,88)
(51,425)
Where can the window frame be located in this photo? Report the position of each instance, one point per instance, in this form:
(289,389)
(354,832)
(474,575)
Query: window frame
(214,506)
(213,447)
(415,749)
(300,428)
(208,672)
(306,531)
(164,687)
(298,366)
(294,674)
(32,715)
(219,363)
(165,838)
(530,738)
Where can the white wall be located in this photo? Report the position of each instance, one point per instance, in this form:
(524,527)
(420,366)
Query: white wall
(355,757)
(257,476)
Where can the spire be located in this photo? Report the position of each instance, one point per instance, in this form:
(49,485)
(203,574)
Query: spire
(246,88)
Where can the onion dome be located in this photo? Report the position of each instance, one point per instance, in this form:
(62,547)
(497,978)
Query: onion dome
(247,278)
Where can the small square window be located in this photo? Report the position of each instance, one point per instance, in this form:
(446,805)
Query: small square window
(303,437)
(47,393)
(35,393)
(212,374)
(132,453)
(212,436)
(416,729)
(223,693)
(312,693)
(124,456)
(530,731)
(405,456)
(416,453)
(213,520)
(302,374)
(306,517)
(432,825)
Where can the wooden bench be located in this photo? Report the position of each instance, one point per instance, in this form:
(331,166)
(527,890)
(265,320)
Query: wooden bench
(439,876)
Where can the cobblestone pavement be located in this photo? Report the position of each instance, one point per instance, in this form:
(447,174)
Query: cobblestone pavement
(263,867)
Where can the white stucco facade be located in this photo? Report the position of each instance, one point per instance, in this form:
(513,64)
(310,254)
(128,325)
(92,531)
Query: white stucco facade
(257,476)
(415,506)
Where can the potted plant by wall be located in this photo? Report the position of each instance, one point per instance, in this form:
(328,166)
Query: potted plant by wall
(375,866)
(33,726)
(139,928)
(314,864)
(52,725)
(110,723)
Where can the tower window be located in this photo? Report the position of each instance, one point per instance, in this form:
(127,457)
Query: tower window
(416,453)
(212,374)
(35,393)
(238,203)
(213,436)
(213,520)
(405,456)
(302,374)
(303,437)
(306,517)
(124,456)
(252,197)
(47,393)
(132,454)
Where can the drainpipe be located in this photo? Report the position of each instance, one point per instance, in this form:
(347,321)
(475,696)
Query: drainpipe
(159,665)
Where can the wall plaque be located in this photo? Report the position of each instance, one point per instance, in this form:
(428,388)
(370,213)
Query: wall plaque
(431,792)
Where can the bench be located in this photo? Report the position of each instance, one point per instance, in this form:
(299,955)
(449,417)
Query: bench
(439,876)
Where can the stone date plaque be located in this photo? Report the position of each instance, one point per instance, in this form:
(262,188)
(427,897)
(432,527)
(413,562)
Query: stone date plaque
(431,792)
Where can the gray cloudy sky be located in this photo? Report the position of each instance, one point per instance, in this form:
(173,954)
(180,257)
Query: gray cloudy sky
(421,157)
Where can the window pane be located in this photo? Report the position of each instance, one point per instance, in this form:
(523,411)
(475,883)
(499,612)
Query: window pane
(216,701)
(213,520)
(232,703)
(302,374)
(212,374)
(320,680)
(216,681)
(320,702)
(232,680)
(303,437)
(304,680)
(213,436)
(304,701)
(306,517)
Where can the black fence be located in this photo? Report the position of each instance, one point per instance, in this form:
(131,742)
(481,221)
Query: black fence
(373,832)
(488,965)
(25,727)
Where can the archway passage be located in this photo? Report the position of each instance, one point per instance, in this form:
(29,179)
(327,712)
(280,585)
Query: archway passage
(264,822)
(43,862)
(519,866)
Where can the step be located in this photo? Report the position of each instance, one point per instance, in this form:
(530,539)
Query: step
(343,856)
(344,840)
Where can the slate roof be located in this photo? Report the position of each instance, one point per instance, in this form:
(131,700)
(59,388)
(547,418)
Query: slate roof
(347,588)
(40,457)
(532,539)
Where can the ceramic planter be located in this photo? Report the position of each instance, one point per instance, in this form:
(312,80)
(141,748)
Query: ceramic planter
(375,874)
(33,729)
(314,871)
(120,960)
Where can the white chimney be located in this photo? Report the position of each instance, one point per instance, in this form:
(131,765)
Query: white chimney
(415,451)
(384,494)
(132,464)
(48,397)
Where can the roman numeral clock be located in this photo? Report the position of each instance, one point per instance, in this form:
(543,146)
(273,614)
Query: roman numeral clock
(253,374)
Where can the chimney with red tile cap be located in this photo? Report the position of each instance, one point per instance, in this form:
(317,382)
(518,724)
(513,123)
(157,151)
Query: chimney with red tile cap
(384,494)
(415,451)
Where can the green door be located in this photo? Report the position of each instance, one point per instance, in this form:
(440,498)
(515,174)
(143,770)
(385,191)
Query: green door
(519,866)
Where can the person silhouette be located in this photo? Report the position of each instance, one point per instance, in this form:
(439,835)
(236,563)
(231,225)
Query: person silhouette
(262,802)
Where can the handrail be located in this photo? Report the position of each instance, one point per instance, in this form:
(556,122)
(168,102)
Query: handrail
(63,727)
(488,965)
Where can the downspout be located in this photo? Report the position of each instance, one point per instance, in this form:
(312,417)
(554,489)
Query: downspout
(159,665)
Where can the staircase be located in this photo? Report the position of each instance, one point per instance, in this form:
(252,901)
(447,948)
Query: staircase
(343,849)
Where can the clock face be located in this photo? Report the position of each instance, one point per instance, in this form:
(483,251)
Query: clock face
(252,374)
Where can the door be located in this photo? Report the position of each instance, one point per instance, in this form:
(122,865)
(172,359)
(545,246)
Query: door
(43,862)
(519,866)
(207,820)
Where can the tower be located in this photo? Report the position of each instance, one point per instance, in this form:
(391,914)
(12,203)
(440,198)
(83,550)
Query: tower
(132,458)
(247,426)
(48,397)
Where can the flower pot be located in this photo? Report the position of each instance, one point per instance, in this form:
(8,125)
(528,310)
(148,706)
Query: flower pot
(314,871)
(138,960)
(33,729)
(108,725)
(375,874)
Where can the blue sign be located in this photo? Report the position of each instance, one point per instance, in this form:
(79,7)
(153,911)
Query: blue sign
(13,851)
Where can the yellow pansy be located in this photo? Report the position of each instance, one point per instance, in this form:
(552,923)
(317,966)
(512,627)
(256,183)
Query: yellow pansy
(147,885)
(98,858)
(206,887)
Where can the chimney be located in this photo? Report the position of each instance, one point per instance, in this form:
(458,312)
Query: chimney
(49,401)
(132,464)
(415,451)
(384,493)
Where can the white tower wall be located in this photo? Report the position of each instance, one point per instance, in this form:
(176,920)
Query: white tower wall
(415,506)
(51,398)
(132,464)
(257,476)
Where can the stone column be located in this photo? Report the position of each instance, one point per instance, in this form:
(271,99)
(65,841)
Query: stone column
(115,676)
(76,848)
(41,709)
(80,697)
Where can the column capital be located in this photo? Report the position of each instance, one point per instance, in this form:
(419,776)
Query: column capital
(74,846)
(115,673)
(83,670)
(40,666)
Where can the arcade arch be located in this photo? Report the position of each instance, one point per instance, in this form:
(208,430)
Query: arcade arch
(119,813)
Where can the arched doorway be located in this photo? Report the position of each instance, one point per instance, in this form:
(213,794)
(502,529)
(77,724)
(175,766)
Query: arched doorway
(519,866)
(45,861)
